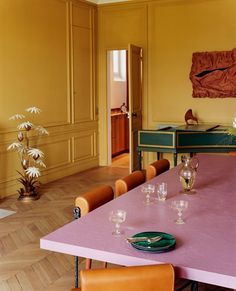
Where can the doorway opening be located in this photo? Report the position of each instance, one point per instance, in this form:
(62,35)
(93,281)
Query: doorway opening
(118,108)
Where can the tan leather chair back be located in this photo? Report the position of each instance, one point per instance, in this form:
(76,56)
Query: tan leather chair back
(138,278)
(157,168)
(94,198)
(91,200)
(129,182)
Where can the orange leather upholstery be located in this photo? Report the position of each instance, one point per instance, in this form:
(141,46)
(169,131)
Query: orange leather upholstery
(129,182)
(94,198)
(157,168)
(91,200)
(138,278)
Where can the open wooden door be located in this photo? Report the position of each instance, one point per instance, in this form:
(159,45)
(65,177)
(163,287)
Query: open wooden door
(135,101)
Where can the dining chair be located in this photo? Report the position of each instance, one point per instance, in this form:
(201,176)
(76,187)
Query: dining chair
(157,168)
(129,182)
(85,203)
(149,278)
(94,198)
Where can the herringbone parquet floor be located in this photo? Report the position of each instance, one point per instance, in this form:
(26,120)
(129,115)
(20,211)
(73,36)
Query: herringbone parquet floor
(23,265)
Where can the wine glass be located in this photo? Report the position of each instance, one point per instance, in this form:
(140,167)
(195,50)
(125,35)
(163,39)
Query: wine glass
(162,191)
(180,206)
(147,189)
(117,216)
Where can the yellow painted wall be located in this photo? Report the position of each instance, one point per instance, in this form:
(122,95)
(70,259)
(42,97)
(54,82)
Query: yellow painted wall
(176,30)
(47,57)
(170,31)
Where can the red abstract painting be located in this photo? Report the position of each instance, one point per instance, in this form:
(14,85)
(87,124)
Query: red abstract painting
(213,74)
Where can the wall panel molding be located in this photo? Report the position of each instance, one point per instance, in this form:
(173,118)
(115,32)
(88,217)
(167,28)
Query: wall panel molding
(36,69)
(67,149)
(35,60)
(84,146)
(83,63)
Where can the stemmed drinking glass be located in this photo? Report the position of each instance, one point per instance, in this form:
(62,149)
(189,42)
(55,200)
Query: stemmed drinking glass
(180,206)
(148,189)
(117,217)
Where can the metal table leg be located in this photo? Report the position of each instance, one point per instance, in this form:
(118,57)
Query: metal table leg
(193,286)
(76,213)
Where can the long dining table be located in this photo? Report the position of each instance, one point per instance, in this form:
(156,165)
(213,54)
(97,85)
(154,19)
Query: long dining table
(205,248)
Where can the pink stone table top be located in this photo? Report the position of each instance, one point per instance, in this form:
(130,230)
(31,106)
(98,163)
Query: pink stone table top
(205,245)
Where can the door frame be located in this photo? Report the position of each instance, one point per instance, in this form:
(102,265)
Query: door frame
(135,96)
(108,75)
(108,97)
(102,109)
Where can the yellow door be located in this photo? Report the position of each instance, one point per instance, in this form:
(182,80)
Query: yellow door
(135,101)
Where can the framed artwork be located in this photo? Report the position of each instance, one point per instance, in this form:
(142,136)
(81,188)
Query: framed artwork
(213,74)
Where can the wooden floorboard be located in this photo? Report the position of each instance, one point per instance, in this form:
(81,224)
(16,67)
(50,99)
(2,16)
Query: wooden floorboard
(23,265)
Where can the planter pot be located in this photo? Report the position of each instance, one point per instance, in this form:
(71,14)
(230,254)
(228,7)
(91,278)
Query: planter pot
(28,196)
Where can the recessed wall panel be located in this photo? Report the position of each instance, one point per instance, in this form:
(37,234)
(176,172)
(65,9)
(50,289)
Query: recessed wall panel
(84,146)
(82,74)
(34,57)
(81,15)
(57,153)
(10,163)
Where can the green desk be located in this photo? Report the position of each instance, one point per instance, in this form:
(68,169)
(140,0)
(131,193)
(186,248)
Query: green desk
(185,140)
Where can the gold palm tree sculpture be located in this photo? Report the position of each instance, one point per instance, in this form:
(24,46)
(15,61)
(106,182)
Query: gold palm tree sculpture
(31,158)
